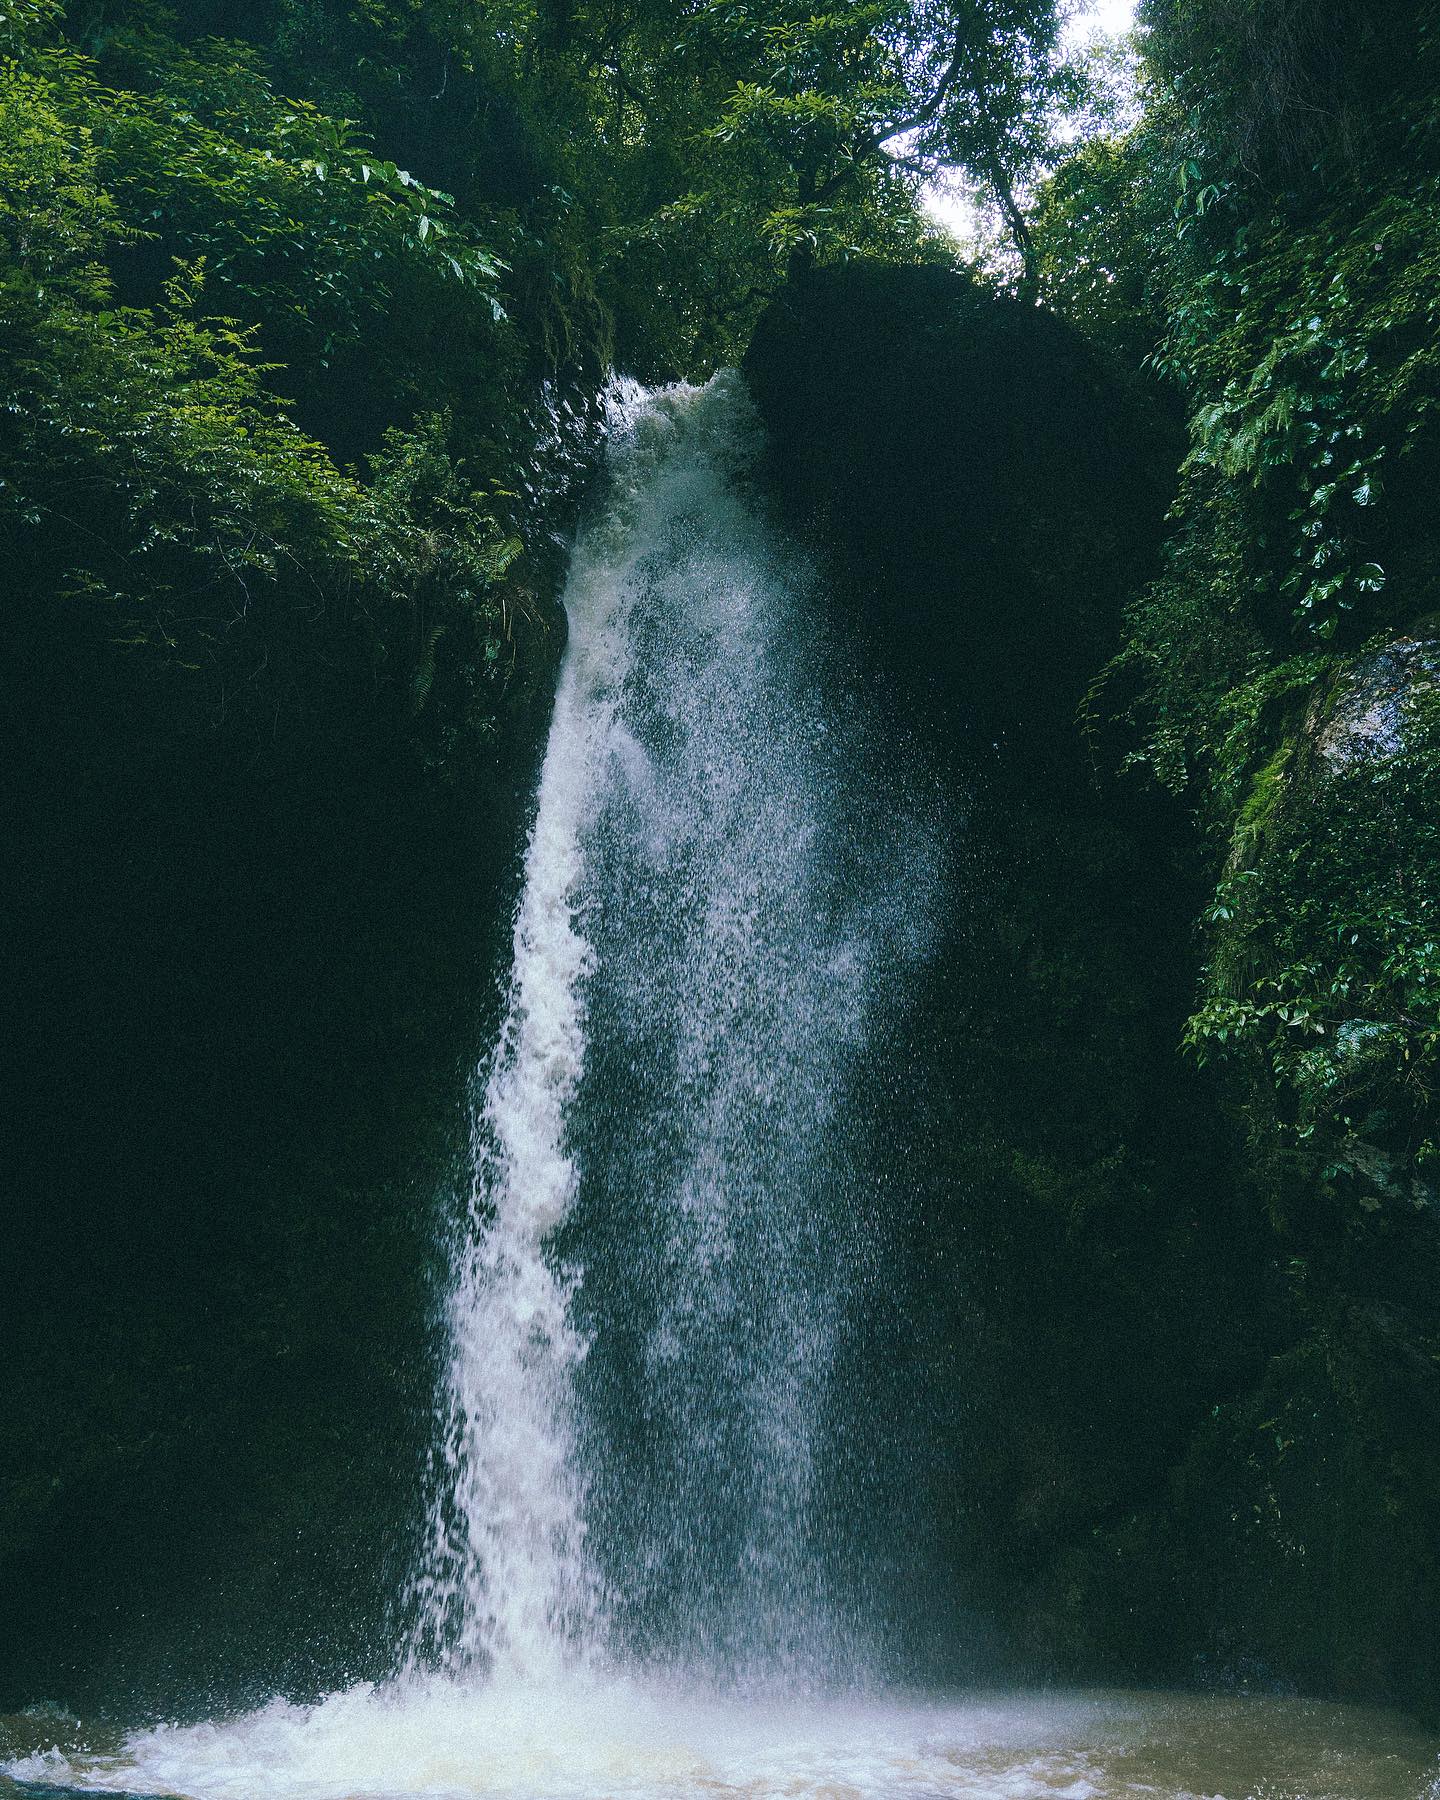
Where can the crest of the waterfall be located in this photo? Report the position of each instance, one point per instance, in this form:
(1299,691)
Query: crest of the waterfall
(658,1237)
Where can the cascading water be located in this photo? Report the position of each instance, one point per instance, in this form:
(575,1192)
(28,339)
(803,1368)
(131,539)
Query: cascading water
(712,892)
(644,1481)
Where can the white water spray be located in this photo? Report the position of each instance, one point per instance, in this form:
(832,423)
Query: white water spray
(505,1586)
(708,899)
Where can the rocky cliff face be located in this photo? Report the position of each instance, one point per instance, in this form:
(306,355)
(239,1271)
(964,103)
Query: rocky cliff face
(256,978)
(993,485)
(1190,1411)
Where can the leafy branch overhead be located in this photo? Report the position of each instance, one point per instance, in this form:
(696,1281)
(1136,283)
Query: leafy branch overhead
(813,123)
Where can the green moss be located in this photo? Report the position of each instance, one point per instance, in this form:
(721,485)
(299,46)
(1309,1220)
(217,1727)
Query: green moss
(1267,789)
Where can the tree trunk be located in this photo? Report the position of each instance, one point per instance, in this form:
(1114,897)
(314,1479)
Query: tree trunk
(1028,287)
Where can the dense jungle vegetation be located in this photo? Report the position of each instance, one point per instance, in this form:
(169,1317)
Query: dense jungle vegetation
(306,307)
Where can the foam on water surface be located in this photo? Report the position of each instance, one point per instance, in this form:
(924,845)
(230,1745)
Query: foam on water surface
(608,1740)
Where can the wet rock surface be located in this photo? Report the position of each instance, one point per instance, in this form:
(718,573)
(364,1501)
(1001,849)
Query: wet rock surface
(1365,720)
(1202,1456)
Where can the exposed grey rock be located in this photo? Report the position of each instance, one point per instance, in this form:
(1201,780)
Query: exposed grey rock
(1366,720)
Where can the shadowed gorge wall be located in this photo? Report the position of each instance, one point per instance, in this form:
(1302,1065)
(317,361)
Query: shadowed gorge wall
(1109,1292)
(282,525)
(1277,208)
(256,976)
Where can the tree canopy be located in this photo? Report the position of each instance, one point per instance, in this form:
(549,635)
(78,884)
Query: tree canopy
(699,148)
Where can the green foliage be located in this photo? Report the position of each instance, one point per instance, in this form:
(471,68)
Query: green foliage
(685,157)
(1326,927)
(168,515)
(1279,93)
(176,513)
(258,182)
(1326,378)
(55,216)
(1250,239)
(718,145)
(1095,235)
(24,21)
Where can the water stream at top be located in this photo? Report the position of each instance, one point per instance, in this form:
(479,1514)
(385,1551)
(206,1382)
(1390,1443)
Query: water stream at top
(647,1497)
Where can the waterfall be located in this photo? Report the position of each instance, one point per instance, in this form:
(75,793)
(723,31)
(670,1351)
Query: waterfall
(648,1483)
(658,1243)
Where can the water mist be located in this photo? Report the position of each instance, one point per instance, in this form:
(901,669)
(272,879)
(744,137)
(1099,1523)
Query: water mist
(659,1242)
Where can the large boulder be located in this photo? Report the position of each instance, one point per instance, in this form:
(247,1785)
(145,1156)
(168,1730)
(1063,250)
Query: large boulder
(1365,718)
(994,484)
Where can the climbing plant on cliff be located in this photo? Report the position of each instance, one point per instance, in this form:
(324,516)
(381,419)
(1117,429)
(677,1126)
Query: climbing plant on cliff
(1250,238)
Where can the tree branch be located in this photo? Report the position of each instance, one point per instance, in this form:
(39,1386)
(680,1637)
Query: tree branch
(932,106)
(875,140)
(1019,227)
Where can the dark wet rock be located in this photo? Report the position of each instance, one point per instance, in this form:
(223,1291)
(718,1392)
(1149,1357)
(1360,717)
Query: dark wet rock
(1366,718)
(1205,1435)
(995,486)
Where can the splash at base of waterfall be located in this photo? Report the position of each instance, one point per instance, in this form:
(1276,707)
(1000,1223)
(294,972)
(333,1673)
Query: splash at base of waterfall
(597,1741)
